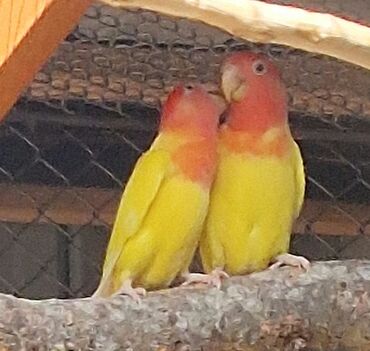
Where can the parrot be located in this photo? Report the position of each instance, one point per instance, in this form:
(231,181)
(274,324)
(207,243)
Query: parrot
(259,187)
(164,204)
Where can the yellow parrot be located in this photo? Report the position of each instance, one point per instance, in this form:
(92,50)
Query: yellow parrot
(165,202)
(260,183)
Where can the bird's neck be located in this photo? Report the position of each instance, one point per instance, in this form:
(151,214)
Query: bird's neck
(274,141)
(172,139)
(194,155)
(258,113)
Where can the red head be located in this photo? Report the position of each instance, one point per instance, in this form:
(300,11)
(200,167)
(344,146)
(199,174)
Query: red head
(191,110)
(251,84)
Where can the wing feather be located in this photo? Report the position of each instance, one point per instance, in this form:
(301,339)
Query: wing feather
(300,178)
(138,196)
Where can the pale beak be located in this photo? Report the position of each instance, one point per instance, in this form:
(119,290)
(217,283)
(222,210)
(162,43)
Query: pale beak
(232,85)
(219,102)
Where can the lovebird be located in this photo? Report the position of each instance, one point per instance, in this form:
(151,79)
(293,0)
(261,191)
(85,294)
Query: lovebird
(260,183)
(163,207)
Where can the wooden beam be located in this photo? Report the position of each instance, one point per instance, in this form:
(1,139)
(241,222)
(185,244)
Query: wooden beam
(259,21)
(30,31)
(83,206)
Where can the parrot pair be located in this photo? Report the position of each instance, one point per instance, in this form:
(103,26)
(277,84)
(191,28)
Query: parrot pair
(233,190)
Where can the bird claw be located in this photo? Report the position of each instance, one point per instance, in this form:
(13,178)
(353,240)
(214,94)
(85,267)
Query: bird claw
(212,279)
(135,293)
(291,260)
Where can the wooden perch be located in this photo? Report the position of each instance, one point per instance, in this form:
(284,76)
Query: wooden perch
(258,21)
(327,308)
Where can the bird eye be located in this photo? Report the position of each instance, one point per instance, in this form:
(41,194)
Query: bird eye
(259,68)
(189,87)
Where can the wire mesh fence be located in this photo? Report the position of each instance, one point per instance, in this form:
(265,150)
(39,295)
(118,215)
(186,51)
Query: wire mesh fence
(70,143)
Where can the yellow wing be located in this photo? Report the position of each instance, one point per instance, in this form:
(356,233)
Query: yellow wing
(300,178)
(140,192)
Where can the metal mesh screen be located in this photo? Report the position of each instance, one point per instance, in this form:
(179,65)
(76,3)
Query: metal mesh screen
(70,143)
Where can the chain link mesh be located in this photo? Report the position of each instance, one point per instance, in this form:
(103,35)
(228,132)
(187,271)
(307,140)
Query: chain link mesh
(70,143)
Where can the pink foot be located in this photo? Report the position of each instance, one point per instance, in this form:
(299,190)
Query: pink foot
(291,260)
(135,293)
(212,279)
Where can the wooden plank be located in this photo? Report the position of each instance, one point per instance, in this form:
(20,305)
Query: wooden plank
(16,18)
(30,31)
(84,206)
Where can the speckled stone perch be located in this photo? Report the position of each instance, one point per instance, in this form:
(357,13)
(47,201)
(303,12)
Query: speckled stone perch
(327,308)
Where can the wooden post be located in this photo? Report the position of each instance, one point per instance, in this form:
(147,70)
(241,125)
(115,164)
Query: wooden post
(30,31)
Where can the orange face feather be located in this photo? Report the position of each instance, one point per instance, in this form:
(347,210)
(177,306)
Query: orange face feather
(190,110)
(252,85)
(194,115)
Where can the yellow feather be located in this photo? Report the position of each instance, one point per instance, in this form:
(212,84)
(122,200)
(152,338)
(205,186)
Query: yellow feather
(253,204)
(300,178)
(158,223)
